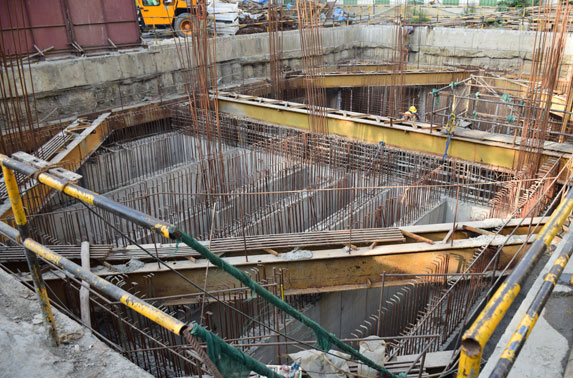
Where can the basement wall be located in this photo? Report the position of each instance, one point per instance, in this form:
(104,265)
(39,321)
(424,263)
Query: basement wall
(444,213)
(340,313)
(75,86)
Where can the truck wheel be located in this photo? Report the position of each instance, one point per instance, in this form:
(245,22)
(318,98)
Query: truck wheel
(184,25)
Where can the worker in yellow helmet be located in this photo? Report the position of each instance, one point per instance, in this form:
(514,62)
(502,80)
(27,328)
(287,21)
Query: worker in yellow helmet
(411,115)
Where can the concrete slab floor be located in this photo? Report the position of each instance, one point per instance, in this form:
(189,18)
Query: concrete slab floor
(26,351)
(547,351)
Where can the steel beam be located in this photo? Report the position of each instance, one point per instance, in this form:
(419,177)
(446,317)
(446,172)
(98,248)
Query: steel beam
(328,270)
(79,141)
(365,79)
(470,145)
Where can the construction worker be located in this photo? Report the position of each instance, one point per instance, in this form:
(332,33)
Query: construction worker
(411,115)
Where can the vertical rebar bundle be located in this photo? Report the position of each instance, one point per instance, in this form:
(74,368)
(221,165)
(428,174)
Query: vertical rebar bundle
(548,52)
(18,112)
(310,31)
(275,49)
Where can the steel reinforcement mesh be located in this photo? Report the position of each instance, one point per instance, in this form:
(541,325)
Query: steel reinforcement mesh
(258,178)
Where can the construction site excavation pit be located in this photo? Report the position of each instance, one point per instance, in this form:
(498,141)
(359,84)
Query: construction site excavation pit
(250,178)
(374,241)
(355,190)
(266,198)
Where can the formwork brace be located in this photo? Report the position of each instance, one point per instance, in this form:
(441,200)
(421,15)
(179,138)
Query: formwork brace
(167,230)
(476,337)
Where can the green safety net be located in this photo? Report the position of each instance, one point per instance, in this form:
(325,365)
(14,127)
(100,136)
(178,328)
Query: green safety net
(230,361)
(324,339)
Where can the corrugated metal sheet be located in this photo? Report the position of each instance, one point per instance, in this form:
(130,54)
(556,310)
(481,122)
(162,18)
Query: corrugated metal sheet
(67,25)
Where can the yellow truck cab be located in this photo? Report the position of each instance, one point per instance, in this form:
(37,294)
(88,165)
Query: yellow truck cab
(169,13)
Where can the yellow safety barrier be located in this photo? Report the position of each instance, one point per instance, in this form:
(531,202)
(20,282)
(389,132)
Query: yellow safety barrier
(476,337)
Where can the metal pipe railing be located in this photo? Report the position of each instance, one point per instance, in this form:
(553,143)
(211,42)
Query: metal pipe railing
(475,338)
(517,340)
(87,196)
(22,224)
(167,230)
(166,321)
(156,315)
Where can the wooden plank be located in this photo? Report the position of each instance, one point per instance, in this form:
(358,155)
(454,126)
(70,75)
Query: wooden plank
(271,251)
(448,235)
(417,237)
(477,230)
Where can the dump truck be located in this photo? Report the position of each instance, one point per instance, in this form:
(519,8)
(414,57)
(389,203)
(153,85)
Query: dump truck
(170,14)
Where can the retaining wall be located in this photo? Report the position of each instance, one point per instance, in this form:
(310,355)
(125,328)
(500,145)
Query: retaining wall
(81,85)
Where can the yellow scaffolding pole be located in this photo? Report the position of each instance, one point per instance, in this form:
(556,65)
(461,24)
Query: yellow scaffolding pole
(476,337)
(22,224)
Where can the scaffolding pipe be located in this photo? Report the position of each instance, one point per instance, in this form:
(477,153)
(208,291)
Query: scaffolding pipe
(517,340)
(156,315)
(166,321)
(475,338)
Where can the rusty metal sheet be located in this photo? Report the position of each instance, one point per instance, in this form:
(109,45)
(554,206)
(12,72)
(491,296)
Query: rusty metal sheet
(96,23)
(87,18)
(58,24)
(15,35)
(122,24)
(48,24)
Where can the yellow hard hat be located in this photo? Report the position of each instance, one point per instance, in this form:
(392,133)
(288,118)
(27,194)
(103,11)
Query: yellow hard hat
(413,109)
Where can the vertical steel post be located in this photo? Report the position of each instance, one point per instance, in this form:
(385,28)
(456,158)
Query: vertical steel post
(22,223)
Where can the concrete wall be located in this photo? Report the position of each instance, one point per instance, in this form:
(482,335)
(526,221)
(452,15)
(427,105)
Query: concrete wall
(444,212)
(80,85)
(340,313)
(495,49)
(86,84)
